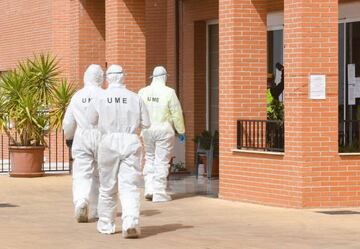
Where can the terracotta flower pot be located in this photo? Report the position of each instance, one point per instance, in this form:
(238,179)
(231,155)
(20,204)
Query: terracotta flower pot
(26,161)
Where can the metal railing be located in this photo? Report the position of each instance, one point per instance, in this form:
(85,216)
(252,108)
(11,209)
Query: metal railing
(56,155)
(264,135)
(349,136)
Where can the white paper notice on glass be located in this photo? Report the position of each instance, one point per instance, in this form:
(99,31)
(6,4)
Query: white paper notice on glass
(317,88)
(353,87)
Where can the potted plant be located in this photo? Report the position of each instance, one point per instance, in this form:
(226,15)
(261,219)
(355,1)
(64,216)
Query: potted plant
(33,100)
(208,142)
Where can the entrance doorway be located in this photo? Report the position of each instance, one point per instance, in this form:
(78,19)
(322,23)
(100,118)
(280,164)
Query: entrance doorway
(212,76)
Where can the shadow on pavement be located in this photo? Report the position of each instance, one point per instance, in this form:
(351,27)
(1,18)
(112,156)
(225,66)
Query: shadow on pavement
(182,196)
(339,212)
(198,193)
(150,212)
(147,213)
(7,205)
(149,231)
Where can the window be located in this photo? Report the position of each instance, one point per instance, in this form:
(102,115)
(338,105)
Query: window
(349,86)
(275,79)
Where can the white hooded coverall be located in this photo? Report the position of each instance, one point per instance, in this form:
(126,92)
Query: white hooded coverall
(165,113)
(119,113)
(85,142)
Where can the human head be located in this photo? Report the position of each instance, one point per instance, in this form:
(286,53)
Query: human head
(159,74)
(94,75)
(115,75)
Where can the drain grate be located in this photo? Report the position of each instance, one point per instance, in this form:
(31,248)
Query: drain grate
(339,212)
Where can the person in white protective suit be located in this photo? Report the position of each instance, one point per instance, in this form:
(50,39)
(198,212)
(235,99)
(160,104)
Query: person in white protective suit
(119,113)
(85,144)
(165,113)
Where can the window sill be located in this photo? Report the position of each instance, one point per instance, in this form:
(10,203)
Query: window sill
(260,152)
(349,154)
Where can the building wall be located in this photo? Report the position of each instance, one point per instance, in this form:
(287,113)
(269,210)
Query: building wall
(87,36)
(141,34)
(31,27)
(192,68)
(126,39)
(156,34)
(26,28)
(311,173)
(248,177)
(73,31)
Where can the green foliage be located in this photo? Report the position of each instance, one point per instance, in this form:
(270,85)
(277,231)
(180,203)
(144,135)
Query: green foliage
(275,108)
(180,166)
(33,100)
(61,99)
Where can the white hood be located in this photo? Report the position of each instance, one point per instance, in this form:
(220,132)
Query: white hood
(94,75)
(115,75)
(159,76)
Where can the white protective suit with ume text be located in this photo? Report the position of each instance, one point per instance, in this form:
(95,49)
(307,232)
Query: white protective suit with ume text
(85,144)
(165,115)
(119,113)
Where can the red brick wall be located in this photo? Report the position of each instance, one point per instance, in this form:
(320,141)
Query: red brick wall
(125,39)
(311,173)
(156,34)
(61,35)
(87,36)
(243,58)
(328,180)
(74,31)
(31,27)
(26,29)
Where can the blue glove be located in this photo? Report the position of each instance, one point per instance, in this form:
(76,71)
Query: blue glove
(182,138)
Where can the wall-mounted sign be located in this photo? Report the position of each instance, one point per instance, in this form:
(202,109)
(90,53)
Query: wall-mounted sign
(317,87)
(353,85)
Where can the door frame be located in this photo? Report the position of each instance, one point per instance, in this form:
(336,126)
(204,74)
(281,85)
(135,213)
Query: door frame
(208,23)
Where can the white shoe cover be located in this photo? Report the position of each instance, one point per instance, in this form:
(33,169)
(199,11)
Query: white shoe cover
(130,228)
(148,197)
(81,212)
(105,227)
(161,198)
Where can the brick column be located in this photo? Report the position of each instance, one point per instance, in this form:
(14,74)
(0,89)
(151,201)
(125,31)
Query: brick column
(87,36)
(242,82)
(156,34)
(311,139)
(125,39)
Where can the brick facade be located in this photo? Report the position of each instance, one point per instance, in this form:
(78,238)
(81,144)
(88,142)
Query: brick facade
(125,39)
(142,34)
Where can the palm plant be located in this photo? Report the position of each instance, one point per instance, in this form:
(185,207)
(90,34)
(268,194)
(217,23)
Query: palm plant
(33,100)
